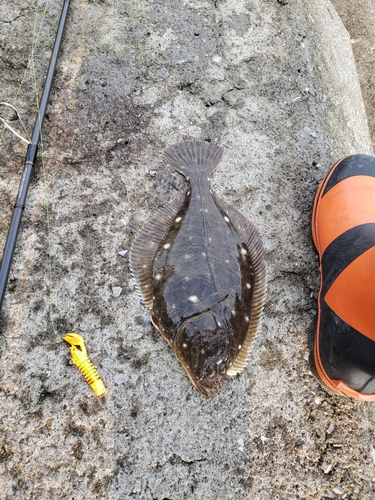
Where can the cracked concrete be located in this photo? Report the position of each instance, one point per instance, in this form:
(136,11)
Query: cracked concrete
(275,84)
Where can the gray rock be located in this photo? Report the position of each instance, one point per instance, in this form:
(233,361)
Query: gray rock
(116,290)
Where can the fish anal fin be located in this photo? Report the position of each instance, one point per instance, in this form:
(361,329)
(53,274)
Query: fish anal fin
(253,243)
(188,156)
(146,244)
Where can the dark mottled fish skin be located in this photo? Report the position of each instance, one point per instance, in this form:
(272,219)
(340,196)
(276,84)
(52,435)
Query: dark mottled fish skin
(200,267)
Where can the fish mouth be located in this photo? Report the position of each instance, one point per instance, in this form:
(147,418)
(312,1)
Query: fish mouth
(201,355)
(208,385)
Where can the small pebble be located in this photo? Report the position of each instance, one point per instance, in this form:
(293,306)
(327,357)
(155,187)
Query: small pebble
(263,439)
(241,444)
(330,429)
(315,386)
(122,253)
(330,494)
(162,72)
(137,487)
(372,451)
(328,469)
(338,490)
(115,197)
(153,173)
(116,290)
(121,379)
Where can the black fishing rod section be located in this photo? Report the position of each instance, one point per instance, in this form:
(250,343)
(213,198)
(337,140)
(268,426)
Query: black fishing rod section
(30,159)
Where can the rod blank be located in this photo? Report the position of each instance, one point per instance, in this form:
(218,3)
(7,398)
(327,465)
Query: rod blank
(30,159)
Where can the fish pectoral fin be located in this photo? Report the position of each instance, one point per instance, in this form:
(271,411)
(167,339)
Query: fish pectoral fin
(211,301)
(145,246)
(253,243)
(196,307)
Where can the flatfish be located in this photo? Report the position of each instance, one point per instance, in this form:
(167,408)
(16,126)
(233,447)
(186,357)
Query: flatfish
(200,267)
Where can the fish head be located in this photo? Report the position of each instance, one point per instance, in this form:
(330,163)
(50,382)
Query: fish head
(200,346)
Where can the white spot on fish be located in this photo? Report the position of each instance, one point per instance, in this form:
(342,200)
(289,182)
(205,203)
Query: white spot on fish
(166,246)
(193,298)
(226,219)
(227,261)
(144,265)
(247,319)
(218,323)
(202,351)
(187,256)
(203,254)
(178,219)
(248,285)
(220,361)
(239,347)
(158,276)
(243,251)
(206,210)
(233,313)
(184,345)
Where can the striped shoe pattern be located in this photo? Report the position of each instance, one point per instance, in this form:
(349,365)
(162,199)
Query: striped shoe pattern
(342,346)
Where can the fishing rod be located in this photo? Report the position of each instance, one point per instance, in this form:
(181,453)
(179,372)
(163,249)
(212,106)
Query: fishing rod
(30,159)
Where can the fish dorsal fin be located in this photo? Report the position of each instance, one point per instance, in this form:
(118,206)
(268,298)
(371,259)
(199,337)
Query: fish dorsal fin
(146,244)
(253,242)
(187,156)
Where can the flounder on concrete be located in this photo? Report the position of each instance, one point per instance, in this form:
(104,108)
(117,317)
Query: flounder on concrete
(200,267)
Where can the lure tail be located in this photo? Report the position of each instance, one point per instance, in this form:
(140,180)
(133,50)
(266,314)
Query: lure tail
(189,156)
(82,361)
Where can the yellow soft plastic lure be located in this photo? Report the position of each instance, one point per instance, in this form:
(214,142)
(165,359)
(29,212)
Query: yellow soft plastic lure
(81,359)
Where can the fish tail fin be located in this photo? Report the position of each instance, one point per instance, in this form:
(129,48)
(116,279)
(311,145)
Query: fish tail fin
(189,156)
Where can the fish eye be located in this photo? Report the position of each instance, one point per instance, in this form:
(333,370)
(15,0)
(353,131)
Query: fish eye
(222,369)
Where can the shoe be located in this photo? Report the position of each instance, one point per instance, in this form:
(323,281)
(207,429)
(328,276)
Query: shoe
(342,355)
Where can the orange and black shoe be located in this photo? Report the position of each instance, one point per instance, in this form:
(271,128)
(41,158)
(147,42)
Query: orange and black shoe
(342,354)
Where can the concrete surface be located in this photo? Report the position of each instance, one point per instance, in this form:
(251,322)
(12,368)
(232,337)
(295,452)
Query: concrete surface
(275,83)
(359,19)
